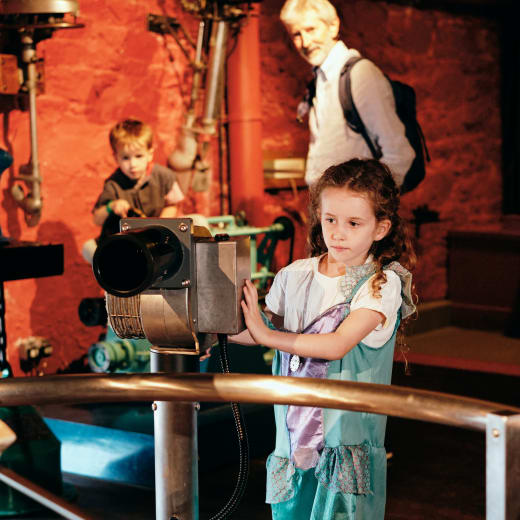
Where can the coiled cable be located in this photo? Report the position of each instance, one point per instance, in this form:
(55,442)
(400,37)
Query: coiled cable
(243,444)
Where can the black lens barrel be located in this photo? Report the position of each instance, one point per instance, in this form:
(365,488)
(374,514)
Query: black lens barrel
(129,262)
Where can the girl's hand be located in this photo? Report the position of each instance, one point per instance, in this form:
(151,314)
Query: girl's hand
(254,322)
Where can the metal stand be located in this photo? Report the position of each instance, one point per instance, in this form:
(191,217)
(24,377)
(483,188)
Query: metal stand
(32,22)
(175,442)
(5,368)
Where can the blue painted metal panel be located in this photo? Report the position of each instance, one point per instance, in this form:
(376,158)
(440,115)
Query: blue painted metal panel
(105,453)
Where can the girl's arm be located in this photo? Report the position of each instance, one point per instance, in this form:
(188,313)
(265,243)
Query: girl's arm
(245,338)
(333,345)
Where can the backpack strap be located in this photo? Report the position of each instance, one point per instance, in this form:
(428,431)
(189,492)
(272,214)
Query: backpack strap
(350,111)
(305,104)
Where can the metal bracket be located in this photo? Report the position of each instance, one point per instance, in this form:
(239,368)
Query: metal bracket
(162,24)
(502,466)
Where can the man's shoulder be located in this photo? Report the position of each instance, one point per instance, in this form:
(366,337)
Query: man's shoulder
(365,67)
(335,60)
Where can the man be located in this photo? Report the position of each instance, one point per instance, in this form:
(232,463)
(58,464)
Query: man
(314,26)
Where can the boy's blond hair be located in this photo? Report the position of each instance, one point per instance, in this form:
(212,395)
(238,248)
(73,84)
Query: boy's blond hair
(131,132)
(292,10)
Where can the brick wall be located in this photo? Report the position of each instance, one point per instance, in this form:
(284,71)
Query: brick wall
(452,61)
(114,68)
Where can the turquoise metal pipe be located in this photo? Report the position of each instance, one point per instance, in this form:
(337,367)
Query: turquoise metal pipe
(234,230)
(230,227)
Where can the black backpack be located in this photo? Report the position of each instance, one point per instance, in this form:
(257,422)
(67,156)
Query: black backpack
(405,108)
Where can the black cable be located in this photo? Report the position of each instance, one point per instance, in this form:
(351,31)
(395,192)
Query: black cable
(243,470)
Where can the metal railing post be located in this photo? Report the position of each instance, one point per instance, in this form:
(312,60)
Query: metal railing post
(503,466)
(175,446)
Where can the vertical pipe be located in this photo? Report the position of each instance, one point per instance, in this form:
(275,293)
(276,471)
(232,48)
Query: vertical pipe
(214,86)
(245,120)
(31,85)
(197,73)
(175,445)
(33,203)
(5,368)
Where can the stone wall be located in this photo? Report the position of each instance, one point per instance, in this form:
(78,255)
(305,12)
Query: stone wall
(452,61)
(115,68)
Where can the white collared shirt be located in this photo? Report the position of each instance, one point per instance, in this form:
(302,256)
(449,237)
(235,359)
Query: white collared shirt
(299,304)
(332,141)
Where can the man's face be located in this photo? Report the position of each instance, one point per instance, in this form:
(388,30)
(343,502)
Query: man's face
(312,37)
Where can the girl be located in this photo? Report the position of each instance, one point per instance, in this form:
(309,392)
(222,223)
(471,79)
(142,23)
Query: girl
(339,311)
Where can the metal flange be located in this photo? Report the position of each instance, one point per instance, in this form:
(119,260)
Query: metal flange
(38,6)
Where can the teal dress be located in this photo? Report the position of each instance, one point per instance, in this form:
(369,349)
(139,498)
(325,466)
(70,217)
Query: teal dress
(344,468)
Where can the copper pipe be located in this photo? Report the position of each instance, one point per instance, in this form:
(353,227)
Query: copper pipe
(245,120)
(41,495)
(392,400)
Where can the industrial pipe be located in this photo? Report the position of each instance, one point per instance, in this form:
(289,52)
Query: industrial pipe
(215,81)
(175,446)
(392,400)
(245,120)
(182,159)
(31,202)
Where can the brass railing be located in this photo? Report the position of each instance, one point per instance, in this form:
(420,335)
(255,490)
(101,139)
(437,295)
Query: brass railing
(500,423)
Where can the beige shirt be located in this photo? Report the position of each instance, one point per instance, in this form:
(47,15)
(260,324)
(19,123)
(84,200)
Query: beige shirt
(331,139)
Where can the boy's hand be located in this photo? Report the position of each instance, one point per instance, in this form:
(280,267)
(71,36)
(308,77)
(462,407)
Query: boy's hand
(206,354)
(120,207)
(254,322)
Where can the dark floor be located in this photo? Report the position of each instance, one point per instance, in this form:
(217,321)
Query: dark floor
(436,472)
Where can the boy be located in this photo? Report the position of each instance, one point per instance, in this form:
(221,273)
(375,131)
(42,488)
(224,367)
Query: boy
(137,187)
(148,189)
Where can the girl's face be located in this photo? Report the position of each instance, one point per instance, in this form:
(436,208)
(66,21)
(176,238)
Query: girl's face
(349,225)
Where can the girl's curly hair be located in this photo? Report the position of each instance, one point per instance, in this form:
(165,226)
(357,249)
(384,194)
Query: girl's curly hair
(372,179)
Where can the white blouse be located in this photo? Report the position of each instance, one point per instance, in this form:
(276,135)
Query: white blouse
(300,303)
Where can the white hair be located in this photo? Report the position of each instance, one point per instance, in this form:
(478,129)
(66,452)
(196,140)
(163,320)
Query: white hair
(293,9)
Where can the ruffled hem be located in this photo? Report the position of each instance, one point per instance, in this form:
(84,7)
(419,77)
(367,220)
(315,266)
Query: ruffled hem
(343,469)
(280,482)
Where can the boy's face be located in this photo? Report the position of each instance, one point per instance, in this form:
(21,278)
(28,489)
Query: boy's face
(134,160)
(312,37)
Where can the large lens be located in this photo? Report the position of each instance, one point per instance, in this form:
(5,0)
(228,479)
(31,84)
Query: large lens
(128,263)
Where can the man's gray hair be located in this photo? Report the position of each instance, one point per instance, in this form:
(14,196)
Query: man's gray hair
(292,10)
